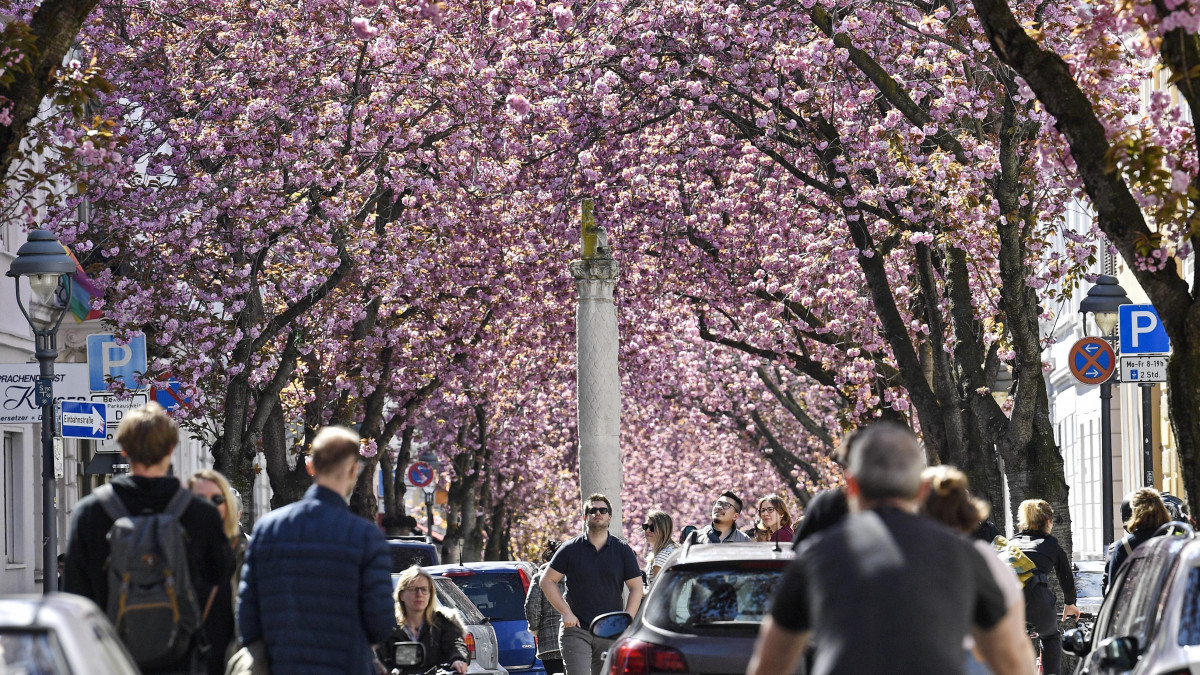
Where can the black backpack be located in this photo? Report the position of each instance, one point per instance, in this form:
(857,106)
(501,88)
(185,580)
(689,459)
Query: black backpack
(151,602)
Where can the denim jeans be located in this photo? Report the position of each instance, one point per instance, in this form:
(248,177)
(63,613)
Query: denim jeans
(582,652)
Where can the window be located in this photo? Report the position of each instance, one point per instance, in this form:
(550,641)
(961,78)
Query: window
(1189,616)
(697,600)
(31,652)
(1135,607)
(500,597)
(10,475)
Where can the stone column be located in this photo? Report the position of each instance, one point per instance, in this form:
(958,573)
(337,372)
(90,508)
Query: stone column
(598,383)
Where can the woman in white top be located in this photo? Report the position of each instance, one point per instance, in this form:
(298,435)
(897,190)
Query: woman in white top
(950,502)
(659,545)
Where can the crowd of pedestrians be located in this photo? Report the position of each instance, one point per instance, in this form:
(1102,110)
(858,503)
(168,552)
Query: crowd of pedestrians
(888,561)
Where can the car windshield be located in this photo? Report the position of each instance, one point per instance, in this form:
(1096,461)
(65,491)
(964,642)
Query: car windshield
(31,652)
(449,595)
(1189,618)
(501,597)
(698,600)
(404,557)
(1088,583)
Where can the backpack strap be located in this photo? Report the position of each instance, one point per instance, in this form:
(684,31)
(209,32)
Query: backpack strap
(1126,546)
(179,503)
(110,502)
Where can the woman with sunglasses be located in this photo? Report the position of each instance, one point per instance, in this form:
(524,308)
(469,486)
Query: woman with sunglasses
(419,618)
(220,627)
(659,545)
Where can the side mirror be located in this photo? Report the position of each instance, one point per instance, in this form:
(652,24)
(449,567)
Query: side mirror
(1077,642)
(1118,653)
(609,626)
(408,654)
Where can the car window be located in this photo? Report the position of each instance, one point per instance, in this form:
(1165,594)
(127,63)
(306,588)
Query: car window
(449,595)
(1134,610)
(404,557)
(1189,618)
(31,652)
(699,600)
(1088,583)
(500,597)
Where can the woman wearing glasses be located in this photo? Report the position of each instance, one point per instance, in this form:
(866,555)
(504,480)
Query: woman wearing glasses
(220,626)
(773,522)
(420,619)
(659,545)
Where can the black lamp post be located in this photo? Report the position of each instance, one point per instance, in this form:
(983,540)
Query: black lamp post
(45,263)
(1102,301)
(431,459)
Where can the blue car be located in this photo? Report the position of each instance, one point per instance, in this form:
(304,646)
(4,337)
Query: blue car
(498,589)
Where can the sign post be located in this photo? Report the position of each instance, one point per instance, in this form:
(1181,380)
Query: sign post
(420,474)
(1146,342)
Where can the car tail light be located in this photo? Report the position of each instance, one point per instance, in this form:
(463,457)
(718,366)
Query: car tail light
(524,581)
(464,573)
(470,640)
(636,657)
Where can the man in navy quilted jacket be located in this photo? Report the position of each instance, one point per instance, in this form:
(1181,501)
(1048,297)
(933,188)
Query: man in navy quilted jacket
(316,586)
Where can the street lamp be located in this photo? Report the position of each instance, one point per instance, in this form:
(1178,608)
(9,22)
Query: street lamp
(431,459)
(1102,301)
(45,263)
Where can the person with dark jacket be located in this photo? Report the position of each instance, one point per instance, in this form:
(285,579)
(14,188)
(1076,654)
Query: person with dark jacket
(1147,514)
(1035,518)
(148,437)
(420,619)
(544,620)
(316,587)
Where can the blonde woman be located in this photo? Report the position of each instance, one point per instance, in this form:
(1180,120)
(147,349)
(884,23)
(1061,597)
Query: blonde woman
(951,503)
(659,546)
(774,522)
(420,619)
(1035,518)
(220,626)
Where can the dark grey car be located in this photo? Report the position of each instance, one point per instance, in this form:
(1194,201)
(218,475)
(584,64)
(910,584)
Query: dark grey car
(703,613)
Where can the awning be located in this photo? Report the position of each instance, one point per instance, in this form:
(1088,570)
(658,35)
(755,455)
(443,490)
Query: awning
(106,463)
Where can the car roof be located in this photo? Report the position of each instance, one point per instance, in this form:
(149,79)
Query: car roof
(702,553)
(481,567)
(34,611)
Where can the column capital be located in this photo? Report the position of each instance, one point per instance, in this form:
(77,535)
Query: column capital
(594,269)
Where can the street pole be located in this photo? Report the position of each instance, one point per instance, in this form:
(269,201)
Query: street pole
(46,351)
(1147,435)
(429,510)
(598,383)
(1106,486)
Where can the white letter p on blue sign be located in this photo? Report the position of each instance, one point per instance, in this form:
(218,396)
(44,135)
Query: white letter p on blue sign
(1141,331)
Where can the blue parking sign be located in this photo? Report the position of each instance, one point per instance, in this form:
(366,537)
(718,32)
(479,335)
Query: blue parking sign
(1141,331)
(106,358)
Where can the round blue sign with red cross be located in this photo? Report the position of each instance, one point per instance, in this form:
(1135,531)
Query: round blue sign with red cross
(420,474)
(1092,360)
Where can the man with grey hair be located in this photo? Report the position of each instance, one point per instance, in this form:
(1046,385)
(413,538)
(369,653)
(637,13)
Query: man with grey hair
(885,590)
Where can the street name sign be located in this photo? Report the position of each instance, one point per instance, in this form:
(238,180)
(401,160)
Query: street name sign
(1092,360)
(1141,331)
(1144,368)
(420,474)
(82,419)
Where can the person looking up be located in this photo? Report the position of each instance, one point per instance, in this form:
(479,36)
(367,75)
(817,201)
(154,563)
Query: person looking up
(723,528)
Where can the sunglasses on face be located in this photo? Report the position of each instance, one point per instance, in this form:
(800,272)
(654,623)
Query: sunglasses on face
(217,499)
(647,527)
(602,510)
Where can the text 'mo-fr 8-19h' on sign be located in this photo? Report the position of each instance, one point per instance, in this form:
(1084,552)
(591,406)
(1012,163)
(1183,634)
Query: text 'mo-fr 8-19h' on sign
(1092,360)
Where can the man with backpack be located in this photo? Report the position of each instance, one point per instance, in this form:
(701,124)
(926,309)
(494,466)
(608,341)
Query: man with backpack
(150,553)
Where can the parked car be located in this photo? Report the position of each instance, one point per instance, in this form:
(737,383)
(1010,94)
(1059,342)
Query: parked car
(703,613)
(498,589)
(412,550)
(1149,623)
(480,637)
(58,634)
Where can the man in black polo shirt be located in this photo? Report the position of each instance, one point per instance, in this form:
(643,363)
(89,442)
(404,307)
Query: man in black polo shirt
(595,566)
(885,590)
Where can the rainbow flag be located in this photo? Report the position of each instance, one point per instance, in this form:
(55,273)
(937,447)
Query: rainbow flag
(82,292)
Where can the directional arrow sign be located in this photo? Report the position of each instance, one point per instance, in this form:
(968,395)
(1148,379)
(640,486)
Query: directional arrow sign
(81,419)
(1092,360)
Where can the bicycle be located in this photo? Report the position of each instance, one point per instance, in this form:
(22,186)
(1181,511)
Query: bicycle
(1037,645)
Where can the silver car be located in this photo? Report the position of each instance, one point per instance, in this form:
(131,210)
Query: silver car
(1149,623)
(59,634)
(480,638)
(703,613)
